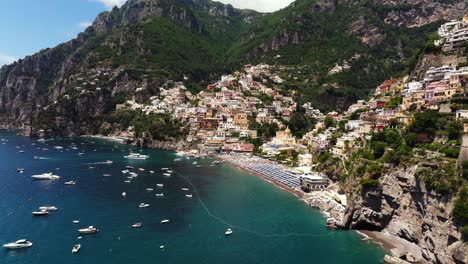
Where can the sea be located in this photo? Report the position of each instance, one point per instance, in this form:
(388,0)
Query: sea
(269,225)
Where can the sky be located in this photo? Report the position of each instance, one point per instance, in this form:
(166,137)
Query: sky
(27,26)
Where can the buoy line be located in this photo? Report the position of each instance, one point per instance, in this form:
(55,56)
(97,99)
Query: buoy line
(239,227)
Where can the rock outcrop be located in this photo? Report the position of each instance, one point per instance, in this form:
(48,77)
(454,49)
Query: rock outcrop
(419,220)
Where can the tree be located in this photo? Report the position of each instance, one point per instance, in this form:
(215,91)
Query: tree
(329,122)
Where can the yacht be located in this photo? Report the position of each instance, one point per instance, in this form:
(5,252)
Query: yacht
(48,208)
(143,205)
(137,225)
(22,243)
(70,183)
(45,176)
(189,195)
(40,213)
(228,232)
(136,156)
(88,230)
(76,248)
(165,221)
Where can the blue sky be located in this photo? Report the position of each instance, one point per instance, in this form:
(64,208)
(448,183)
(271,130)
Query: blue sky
(27,26)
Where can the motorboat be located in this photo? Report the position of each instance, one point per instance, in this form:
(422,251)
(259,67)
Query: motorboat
(169,171)
(58,147)
(137,225)
(108,162)
(165,221)
(136,156)
(88,230)
(134,175)
(149,189)
(164,169)
(107,175)
(189,195)
(40,213)
(22,243)
(20,170)
(167,174)
(141,170)
(160,185)
(160,195)
(143,205)
(76,248)
(125,171)
(76,221)
(48,208)
(162,247)
(185,189)
(124,194)
(228,232)
(45,176)
(21,151)
(152,172)
(127,181)
(70,183)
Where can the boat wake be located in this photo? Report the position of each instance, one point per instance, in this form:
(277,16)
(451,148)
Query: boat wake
(219,219)
(101,163)
(41,158)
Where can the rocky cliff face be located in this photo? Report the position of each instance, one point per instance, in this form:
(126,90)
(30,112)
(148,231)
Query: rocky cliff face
(419,221)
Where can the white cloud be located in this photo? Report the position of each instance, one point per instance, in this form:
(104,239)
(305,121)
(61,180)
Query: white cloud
(259,5)
(84,24)
(112,3)
(6,59)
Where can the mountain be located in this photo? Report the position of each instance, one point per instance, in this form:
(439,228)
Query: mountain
(145,43)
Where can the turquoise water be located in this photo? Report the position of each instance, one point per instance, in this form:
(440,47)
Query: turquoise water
(192,236)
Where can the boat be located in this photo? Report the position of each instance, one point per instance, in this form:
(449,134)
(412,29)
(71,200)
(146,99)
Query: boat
(136,156)
(21,151)
(137,225)
(129,167)
(76,221)
(189,195)
(164,168)
(22,243)
(20,170)
(143,205)
(88,230)
(45,176)
(80,154)
(141,169)
(165,221)
(160,195)
(149,189)
(152,172)
(228,232)
(169,171)
(70,183)
(160,185)
(162,247)
(167,174)
(127,181)
(48,208)
(185,189)
(76,248)
(134,175)
(125,171)
(124,194)
(40,213)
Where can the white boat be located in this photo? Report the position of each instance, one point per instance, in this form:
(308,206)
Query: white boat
(20,170)
(22,243)
(152,172)
(149,189)
(167,174)
(137,225)
(134,175)
(40,213)
(124,194)
(127,181)
(185,189)
(76,221)
(165,221)
(21,151)
(189,195)
(195,163)
(88,230)
(48,208)
(45,176)
(70,183)
(169,171)
(76,248)
(136,156)
(143,205)
(160,185)
(162,247)
(160,195)
(125,171)
(228,232)
(164,168)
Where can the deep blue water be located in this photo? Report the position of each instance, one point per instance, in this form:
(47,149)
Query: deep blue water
(192,236)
